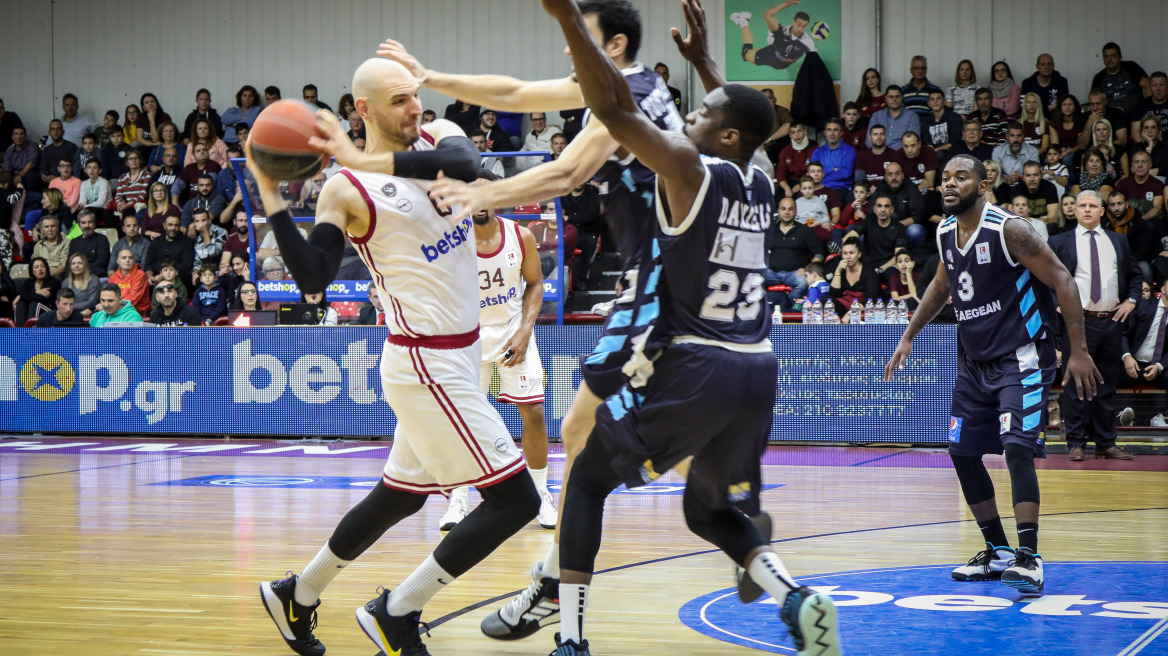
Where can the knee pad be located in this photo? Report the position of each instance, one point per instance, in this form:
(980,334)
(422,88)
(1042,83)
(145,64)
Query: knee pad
(1023,477)
(516,495)
(976,484)
(725,528)
(367,521)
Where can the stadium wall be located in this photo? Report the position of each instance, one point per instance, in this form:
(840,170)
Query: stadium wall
(109,52)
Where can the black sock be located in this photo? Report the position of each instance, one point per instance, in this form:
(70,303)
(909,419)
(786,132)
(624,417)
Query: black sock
(1028,536)
(993,533)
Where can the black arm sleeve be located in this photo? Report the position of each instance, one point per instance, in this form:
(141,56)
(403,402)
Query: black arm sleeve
(313,263)
(455,157)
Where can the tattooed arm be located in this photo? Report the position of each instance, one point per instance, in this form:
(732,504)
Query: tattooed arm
(935,298)
(1031,251)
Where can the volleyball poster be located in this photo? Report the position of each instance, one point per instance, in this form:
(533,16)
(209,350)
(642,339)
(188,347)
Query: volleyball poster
(768,41)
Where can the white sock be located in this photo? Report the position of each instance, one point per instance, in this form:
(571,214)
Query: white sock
(768,572)
(422,584)
(551,562)
(540,478)
(573,603)
(460,493)
(316,577)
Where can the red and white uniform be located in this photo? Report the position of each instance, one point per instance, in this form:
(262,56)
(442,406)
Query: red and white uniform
(448,435)
(501,287)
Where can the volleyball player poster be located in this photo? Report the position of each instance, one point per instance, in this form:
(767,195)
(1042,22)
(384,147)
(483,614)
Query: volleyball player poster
(767,41)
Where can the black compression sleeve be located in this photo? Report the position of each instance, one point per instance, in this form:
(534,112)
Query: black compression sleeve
(455,157)
(313,262)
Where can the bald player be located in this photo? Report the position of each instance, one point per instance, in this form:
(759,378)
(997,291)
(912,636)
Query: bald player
(425,269)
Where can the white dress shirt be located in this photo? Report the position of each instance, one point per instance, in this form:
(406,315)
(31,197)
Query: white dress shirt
(1108,270)
(1147,348)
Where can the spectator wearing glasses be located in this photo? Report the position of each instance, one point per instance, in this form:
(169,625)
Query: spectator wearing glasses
(169,312)
(247,297)
(274,269)
(540,138)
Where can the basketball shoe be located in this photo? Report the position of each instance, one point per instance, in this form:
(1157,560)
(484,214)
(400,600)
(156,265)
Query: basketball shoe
(570,648)
(811,618)
(392,635)
(534,608)
(548,516)
(295,622)
(987,565)
(740,18)
(457,510)
(748,590)
(1025,572)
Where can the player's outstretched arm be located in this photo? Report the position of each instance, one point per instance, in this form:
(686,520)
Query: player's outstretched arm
(532,300)
(672,156)
(935,298)
(1030,250)
(313,262)
(696,47)
(453,154)
(498,92)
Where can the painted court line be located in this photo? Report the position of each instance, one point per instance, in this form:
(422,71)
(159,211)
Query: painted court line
(1146,639)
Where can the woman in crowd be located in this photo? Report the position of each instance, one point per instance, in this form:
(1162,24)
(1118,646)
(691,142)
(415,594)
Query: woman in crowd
(247,297)
(204,132)
(149,123)
(1007,94)
(246,109)
(85,286)
(994,177)
(130,125)
(960,95)
(239,273)
(1093,175)
(345,107)
(854,281)
(329,316)
(152,218)
(1066,215)
(37,293)
(1068,123)
(1035,129)
(8,294)
(168,138)
(904,285)
(1102,138)
(1152,141)
(871,98)
(133,184)
(53,204)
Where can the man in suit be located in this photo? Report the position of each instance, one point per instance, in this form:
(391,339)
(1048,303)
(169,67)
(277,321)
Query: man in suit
(1109,282)
(1144,354)
(371,315)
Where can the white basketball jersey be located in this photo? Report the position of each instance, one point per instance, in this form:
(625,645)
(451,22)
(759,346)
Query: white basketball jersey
(501,283)
(423,265)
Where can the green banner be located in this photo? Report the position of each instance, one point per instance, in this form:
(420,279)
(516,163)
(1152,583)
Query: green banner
(768,42)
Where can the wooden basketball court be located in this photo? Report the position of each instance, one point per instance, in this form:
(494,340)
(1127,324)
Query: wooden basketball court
(156,548)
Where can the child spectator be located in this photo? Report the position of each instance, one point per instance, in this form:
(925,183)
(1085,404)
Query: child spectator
(809,208)
(818,289)
(109,126)
(1055,170)
(95,192)
(904,285)
(113,155)
(168,274)
(209,298)
(87,152)
(852,213)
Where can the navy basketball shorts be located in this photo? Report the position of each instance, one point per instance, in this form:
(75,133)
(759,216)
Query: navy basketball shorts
(1003,401)
(712,403)
(602,367)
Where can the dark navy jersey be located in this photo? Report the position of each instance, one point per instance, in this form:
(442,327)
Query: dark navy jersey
(713,262)
(1000,305)
(627,185)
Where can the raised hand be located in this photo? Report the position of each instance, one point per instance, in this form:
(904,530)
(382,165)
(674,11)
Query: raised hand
(695,46)
(394,50)
(336,141)
(449,194)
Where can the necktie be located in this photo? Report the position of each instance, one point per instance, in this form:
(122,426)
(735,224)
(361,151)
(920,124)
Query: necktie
(1096,283)
(1159,354)
(381,318)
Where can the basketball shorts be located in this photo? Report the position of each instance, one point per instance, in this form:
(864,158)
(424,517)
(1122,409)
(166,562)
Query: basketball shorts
(448,434)
(777,53)
(709,402)
(601,368)
(520,384)
(1002,401)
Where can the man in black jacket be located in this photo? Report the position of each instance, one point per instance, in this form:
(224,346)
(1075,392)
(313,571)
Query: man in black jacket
(582,210)
(63,316)
(93,245)
(908,205)
(169,311)
(792,246)
(1144,356)
(173,244)
(1109,282)
(372,314)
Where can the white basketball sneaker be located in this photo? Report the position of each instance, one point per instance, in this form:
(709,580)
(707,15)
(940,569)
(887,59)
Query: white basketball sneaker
(548,516)
(1025,572)
(987,565)
(457,510)
(740,18)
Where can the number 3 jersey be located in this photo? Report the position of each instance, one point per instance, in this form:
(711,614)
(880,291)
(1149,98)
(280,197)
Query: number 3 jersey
(1000,305)
(711,265)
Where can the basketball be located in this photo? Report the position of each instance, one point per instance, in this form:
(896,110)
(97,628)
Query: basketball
(819,31)
(279,140)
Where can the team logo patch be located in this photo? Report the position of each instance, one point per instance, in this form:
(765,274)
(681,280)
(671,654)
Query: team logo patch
(949,254)
(1004,423)
(512,259)
(739,492)
(501,445)
(1150,196)
(983,253)
(390,189)
(404,205)
(955,429)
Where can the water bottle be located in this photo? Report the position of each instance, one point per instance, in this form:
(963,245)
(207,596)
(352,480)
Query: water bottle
(817,313)
(806,312)
(854,316)
(777,316)
(869,312)
(880,316)
(829,315)
(902,312)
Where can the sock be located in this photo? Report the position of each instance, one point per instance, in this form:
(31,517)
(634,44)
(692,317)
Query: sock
(539,476)
(317,575)
(573,603)
(768,572)
(422,584)
(551,562)
(1028,536)
(461,493)
(993,533)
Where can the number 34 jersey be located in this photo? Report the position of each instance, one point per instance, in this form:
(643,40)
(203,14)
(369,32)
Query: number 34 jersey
(712,263)
(1000,305)
(501,283)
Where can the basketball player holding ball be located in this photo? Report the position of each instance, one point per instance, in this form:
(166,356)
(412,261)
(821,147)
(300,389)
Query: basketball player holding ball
(425,269)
